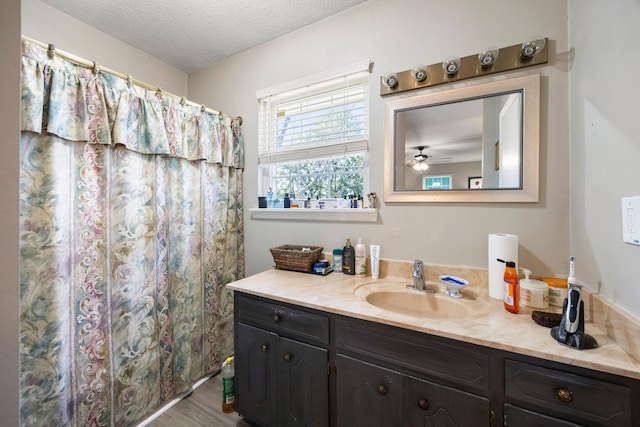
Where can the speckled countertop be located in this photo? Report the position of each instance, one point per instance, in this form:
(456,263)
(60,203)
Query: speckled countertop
(484,321)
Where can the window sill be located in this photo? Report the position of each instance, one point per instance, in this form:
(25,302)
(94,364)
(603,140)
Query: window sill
(300,214)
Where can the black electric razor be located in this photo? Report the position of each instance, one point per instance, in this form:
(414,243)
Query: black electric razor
(570,332)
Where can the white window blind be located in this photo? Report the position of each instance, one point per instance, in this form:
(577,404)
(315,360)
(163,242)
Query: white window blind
(321,119)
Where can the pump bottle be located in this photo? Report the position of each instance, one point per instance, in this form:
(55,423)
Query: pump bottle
(511,294)
(348,259)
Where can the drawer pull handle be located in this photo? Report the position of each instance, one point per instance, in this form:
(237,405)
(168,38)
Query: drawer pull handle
(564,395)
(277,318)
(287,357)
(264,348)
(423,404)
(382,390)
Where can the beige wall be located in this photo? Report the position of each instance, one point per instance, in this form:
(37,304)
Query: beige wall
(605,145)
(9,167)
(396,35)
(48,25)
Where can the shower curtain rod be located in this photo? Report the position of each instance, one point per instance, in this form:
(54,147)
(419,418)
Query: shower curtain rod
(52,50)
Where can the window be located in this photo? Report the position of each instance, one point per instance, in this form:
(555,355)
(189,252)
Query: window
(436,182)
(313,135)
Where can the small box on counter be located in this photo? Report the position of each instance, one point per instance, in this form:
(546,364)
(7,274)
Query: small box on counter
(322,267)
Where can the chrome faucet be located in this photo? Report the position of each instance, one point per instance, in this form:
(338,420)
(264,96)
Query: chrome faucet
(418,279)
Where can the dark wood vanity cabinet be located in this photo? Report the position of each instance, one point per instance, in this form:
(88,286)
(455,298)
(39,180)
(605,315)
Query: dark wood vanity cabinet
(297,366)
(408,378)
(281,380)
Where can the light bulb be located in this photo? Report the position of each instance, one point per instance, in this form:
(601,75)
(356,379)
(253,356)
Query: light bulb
(532,46)
(390,80)
(451,65)
(488,56)
(419,72)
(421,166)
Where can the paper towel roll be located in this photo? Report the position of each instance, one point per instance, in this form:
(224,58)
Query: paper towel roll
(505,247)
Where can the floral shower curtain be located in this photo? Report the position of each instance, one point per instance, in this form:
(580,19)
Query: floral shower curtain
(130,226)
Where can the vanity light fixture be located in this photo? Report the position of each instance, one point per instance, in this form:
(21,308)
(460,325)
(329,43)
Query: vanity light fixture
(488,56)
(390,80)
(451,65)
(532,46)
(493,60)
(419,73)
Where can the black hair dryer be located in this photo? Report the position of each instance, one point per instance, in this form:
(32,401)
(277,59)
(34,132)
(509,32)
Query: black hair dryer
(571,329)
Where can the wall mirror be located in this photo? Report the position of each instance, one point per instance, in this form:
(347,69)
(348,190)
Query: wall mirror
(477,143)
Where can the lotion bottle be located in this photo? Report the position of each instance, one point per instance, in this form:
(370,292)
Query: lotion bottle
(375,260)
(348,259)
(361,258)
(511,297)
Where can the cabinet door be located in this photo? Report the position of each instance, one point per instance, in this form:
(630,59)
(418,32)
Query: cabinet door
(367,395)
(303,384)
(428,404)
(255,374)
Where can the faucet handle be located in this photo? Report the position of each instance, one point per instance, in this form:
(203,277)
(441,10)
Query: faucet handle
(418,266)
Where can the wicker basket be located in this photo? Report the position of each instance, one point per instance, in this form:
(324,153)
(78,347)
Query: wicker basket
(296,257)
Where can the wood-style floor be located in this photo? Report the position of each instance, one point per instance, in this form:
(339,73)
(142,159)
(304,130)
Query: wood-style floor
(202,408)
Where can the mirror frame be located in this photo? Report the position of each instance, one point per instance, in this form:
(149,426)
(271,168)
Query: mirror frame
(530,88)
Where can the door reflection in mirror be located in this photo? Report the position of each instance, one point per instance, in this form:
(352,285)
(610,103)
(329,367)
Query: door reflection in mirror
(475,137)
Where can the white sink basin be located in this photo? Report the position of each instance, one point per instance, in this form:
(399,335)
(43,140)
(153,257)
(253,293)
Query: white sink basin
(395,297)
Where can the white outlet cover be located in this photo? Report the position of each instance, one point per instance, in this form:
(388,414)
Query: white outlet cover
(631,220)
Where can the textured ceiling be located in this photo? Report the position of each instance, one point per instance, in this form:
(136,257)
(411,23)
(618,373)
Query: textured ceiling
(192,34)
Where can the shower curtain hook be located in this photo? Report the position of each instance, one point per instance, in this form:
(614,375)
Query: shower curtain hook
(96,67)
(203,108)
(51,50)
(183,101)
(129,80)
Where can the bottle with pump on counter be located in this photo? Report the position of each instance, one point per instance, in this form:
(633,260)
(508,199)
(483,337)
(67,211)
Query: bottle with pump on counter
(511,297)
(348,259)
(287,200)
(361,258)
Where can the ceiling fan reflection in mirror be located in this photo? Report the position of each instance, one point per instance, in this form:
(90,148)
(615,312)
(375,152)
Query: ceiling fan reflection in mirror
(419,161)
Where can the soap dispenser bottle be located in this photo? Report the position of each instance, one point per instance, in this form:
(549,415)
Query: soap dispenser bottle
(511,297)
(348,259)
(361,258)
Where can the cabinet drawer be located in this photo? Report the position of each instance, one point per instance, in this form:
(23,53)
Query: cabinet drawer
(453,362)
(518,417)
(281,319)
(578,397)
